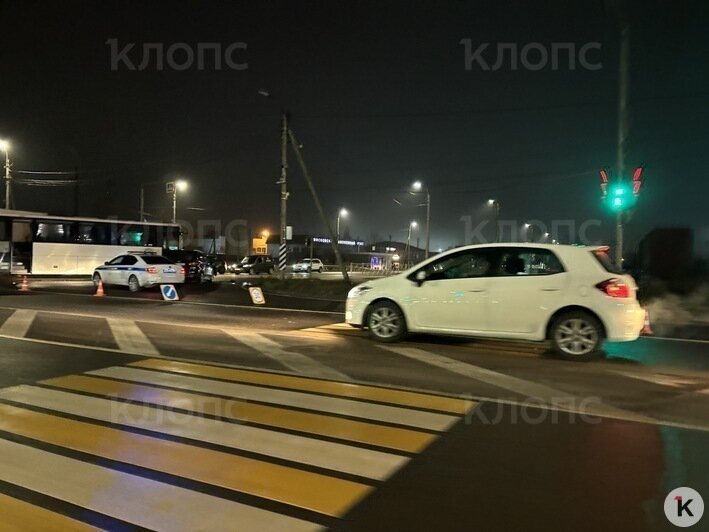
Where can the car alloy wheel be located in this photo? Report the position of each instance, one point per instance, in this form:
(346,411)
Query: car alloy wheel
(577,336)
(133,284)
(97,279)
(386,322)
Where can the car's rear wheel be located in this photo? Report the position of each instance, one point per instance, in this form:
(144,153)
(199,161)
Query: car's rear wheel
(133,284)
(386,322)
(252,271)
(577,335)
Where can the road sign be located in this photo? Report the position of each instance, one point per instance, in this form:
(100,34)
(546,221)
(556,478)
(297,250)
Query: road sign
(170,187)
(289,232)
(257,297)
(169,292)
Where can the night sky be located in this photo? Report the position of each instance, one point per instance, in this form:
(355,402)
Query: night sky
(378,95)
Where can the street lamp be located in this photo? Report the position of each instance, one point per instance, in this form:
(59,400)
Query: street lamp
(412,225)
(526,232)
(180,185)
(417,186)
(341,214)
(5,146)
(496,203)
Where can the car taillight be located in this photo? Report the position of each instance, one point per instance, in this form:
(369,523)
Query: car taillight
(182,270)
(152,269)
(614,288)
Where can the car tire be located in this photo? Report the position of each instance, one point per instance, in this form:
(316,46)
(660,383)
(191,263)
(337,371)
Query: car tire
(386,322)
(252,271)
(577,336)
(97,279)
(133,284)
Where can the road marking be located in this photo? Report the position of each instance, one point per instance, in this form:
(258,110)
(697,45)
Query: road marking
(340,457)
(303,489)
(531,390)
(672,381)
(350,390)
(667,338)
(407,440)
(137,500)
(20,515)
(295,361)
(130,337)
(19,323)
(320,403)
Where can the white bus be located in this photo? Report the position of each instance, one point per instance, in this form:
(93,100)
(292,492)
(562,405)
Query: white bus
(40,244)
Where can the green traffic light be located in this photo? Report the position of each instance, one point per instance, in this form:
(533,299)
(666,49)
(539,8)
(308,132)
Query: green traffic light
(621,197)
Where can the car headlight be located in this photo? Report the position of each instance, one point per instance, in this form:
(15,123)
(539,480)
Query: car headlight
(358,291)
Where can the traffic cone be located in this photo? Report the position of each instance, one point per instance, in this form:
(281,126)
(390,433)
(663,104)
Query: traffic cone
(99,289)
(646,325)
(25,286)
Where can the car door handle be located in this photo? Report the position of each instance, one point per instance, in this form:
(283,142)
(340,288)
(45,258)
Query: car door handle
(477,290)
(550,289)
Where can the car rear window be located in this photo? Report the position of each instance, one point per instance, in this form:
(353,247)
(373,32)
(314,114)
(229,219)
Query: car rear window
(605,261)
(156,259)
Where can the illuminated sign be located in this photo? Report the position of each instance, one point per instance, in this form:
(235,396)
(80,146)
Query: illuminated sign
(323,240)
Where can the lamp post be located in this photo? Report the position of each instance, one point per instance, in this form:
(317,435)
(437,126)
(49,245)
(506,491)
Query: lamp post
(180,185)
(526,232)
(5,146)
(418,187)
(412,225)
(496,203)
(342,213)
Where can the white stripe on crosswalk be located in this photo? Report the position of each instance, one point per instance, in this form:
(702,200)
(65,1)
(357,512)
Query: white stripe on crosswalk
(19,323)
(311,451)
(141,501)
(295,361)
(310,401)
(529,389)
(130,337)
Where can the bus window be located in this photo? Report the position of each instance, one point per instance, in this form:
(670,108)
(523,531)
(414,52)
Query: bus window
(53,232)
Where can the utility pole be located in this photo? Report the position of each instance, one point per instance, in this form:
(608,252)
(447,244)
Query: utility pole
(428,222)
(283,248)
(142,203)
(623,127)
(8,191)
(318,205)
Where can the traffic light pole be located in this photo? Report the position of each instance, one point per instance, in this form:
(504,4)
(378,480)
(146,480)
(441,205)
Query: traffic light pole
(623,83)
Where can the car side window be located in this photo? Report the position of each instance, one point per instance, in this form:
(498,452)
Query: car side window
(116,261)
(528,261)
(464,265)
(129,260)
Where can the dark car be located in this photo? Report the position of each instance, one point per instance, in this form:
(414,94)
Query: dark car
(255,264)
(197,266)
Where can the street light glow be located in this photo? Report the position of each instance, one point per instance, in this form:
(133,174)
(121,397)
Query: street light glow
(265,233)
(417,185)
(181,185)
(4,145)
(344,213)
(526,226)
(414,224)
(491,201)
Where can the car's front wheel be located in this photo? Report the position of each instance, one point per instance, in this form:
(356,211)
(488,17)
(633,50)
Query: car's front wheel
(577,336)
(386,322)
(97,279)
(133,284)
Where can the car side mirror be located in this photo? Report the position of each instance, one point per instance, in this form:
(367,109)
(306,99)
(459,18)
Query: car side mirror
(106,263)
(420,277)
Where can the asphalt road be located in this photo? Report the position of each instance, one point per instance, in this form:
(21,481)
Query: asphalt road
(108,397)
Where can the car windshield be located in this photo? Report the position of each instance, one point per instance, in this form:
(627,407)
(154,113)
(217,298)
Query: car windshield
(156,259)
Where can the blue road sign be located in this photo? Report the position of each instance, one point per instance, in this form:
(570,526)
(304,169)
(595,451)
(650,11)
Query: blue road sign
(169,292)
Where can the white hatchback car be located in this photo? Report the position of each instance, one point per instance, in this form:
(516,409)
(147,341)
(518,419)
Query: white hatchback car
(139,270)
(571,295)
(308,265)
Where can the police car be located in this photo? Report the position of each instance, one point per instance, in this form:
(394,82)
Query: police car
(139,270)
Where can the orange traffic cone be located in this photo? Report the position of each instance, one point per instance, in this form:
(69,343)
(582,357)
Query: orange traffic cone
(99,289)
(646,325)
(25,286)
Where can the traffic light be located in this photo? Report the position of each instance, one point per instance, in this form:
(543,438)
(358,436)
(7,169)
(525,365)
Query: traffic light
(620,196)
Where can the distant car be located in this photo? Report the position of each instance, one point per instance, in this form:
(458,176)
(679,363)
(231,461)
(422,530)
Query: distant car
(139,270)
(570,295)
(197,265)
(308,265)
(255,264)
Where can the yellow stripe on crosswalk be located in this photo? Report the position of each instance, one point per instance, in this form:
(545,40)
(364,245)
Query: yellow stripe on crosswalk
(358,391)
(312,491)
(401,439)
(17,515)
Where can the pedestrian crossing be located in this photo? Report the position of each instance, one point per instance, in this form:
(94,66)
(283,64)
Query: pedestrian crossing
(171,445)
